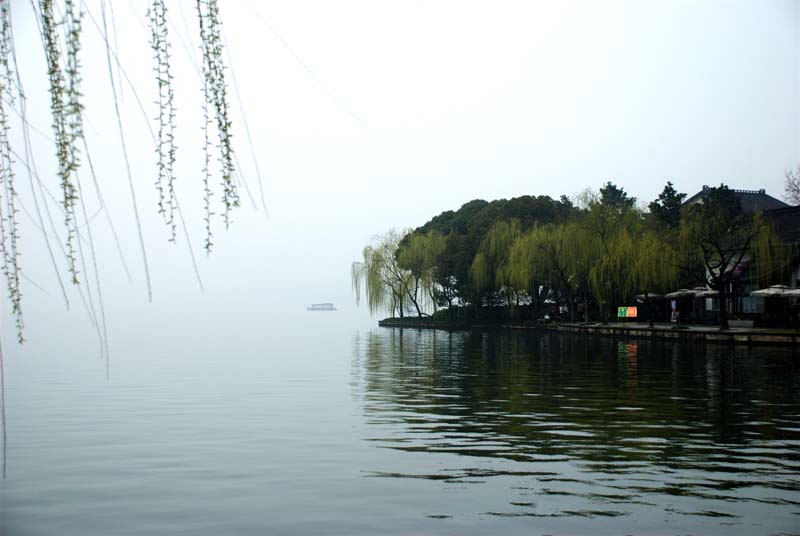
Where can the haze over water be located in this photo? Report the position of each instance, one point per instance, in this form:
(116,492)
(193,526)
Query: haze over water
(229,410)
(323,424)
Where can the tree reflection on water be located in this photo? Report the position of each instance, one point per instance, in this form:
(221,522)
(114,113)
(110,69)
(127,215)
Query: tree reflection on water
(610,421)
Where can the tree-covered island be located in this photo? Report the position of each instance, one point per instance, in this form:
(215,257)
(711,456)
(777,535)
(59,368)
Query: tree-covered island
(534,258)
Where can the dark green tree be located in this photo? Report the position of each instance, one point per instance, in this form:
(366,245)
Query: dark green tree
(466,228)
(666,210)
(615,197)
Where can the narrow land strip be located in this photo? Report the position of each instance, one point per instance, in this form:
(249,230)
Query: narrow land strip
(624,330)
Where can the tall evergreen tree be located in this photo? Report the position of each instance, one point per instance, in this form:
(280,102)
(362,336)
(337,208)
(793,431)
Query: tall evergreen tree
(666,210)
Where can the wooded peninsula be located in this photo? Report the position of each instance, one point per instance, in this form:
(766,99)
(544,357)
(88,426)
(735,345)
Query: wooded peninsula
(580,259)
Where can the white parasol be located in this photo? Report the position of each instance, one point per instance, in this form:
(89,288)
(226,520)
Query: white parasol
(774,290)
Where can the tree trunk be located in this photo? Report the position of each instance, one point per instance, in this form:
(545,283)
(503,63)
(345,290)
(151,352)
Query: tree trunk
(723,306)
(571,306)
(433,300)
(416,304)
(413,297)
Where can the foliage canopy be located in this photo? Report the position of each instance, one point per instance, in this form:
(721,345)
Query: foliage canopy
(531,253)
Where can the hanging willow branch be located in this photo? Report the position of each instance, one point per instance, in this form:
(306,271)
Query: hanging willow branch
(207,193)
(60,29)
(216,98)
(62,114)
(9,234)
(165,148)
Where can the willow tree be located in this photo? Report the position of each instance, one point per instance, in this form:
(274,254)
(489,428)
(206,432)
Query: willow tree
(610,276)
(555,257)
(385,282)
(579,254)
(420,254)
(490,268)
(525,267)
(718,240)
(653,266)
(633,259)
(613,220)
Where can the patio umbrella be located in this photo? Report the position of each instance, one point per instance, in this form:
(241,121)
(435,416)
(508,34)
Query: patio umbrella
(651,296)
(700,291)
(680,293)
(774,290)
(795,293)
(707,293)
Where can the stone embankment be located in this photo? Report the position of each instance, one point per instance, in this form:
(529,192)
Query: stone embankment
(623,330)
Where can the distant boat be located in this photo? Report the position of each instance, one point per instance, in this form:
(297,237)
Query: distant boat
(321,307)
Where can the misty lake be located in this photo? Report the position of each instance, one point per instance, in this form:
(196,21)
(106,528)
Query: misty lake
(322,428)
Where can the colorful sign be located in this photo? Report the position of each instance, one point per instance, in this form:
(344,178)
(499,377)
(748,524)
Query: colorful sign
(627,312)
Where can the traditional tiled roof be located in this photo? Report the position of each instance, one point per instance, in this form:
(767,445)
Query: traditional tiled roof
(787,223)
(751,199)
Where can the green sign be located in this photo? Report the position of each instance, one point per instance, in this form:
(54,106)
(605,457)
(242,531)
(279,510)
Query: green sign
(627,312)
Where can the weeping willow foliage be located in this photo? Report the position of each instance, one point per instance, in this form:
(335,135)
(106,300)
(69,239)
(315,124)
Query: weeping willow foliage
(608,255)
(525,262)
(480,272)
(633,260)
(60,26)
(66,109)
(64,105)
(771,256)
(216,101)
(165,147)
(610,276)
(420,254)
(491,264)
(615,228)
(9,233)
(386,284)
(577,255)
(552,256)
(653,266)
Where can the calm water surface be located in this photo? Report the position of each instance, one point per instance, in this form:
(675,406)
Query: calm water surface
(332,430)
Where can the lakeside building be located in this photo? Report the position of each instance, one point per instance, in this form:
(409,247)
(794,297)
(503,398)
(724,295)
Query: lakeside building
(786,221)
(751,200)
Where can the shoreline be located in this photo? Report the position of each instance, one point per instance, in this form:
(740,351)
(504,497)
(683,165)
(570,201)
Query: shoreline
(694,334)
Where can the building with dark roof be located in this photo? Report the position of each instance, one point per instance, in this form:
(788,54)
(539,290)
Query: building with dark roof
(752,200)
(787,224)
(786,221)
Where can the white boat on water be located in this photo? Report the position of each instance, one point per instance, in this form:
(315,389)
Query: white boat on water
(321,307)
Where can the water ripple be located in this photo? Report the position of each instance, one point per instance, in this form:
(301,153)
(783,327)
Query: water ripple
(654,429)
